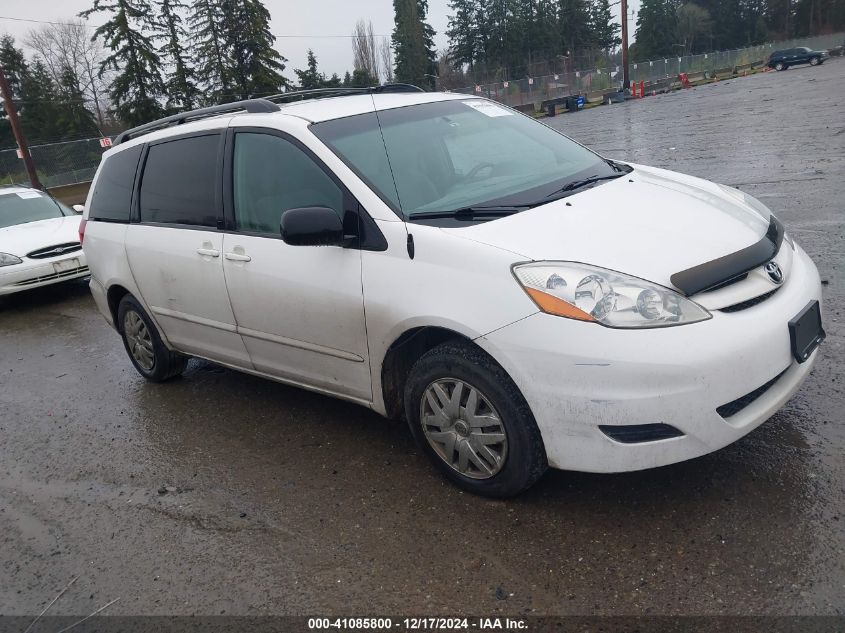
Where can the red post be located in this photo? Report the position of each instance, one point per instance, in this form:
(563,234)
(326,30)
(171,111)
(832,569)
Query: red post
(642,88)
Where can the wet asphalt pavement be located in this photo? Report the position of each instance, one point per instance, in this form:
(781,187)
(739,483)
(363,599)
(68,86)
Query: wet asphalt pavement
(224,493)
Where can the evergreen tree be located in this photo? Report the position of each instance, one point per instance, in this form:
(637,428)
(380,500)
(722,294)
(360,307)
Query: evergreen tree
(361,78)
(16,69)
(413,43)
(209,49)
(14,64)
(256,67)
(138,86)
(182,93)
(41,105)
(574,27)
(656,29)
(347,80)
(311,78)
(74,120)
(604,30)
(463,34)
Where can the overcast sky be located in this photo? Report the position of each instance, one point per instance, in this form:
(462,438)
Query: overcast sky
(298,24)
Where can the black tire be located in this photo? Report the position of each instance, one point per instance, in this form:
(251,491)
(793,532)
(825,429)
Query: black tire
(525,457)
(780,66)
(166,364)
(815,61)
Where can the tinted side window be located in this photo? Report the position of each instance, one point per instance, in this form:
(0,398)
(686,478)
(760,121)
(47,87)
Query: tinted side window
(112,196)
(179,182)
(272,175)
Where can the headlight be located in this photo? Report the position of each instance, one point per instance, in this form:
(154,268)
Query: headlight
(587,293)
(8,260)
(755,204)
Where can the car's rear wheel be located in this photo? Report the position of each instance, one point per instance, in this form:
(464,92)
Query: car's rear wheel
(148,354)
(814,61)
(469,417)
(780,66)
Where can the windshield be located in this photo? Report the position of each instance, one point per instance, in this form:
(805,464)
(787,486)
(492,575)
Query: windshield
(29,206)
(450,155)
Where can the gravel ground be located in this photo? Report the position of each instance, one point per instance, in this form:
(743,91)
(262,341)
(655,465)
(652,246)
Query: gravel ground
(224,493)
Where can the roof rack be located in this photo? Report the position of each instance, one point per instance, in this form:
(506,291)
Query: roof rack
(319,93)
(265,104)
(248,105)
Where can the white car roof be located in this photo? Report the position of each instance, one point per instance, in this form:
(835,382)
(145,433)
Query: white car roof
(311,110)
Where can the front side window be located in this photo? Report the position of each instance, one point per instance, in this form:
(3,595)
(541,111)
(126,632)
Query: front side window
(272,175)
(450,155)
(29,206)
(179,182)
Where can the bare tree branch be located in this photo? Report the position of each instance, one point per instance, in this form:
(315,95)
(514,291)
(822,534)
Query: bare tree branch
(364,49)
(386,55)
(68,46)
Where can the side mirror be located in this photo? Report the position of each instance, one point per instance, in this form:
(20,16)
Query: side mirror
(78,208)
(312,226)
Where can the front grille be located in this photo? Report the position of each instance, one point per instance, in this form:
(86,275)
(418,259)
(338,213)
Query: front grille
(744,305)
(55,251)
(53,276)
(735,406)
(637,433)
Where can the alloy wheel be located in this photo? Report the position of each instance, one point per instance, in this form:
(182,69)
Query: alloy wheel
(463,428)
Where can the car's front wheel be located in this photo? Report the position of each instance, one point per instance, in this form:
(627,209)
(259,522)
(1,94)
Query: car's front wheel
(780,66)
(467,414)
(148,354)
(815,61)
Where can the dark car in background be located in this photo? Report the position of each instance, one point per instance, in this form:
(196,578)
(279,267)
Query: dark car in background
(781,60)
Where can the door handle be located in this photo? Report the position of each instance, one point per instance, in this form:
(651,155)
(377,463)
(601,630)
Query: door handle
(208,252)
(237,257)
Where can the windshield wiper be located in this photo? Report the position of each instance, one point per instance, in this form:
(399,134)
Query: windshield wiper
(473,212)
(577,184)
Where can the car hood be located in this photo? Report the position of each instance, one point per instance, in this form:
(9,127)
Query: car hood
(24,238)
(649,223)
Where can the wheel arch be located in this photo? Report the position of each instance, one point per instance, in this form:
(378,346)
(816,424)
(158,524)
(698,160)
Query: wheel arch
(114,295)
(401,355)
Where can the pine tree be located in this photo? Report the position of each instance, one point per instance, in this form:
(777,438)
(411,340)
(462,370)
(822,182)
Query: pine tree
(15,68)
(604,29)
(413,43)
(256,67)
(74,119)
(41,105)
(138,87)
(462,32)
(311,78)
(182,93)
(209,49)
(656,29)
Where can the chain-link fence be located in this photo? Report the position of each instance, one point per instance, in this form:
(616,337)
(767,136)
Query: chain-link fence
(535,90)
(63,163)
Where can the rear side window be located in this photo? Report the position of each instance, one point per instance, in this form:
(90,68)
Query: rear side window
(112,198)
(180,182)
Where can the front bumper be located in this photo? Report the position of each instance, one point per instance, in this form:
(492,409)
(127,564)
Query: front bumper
(42,272)
(577,376)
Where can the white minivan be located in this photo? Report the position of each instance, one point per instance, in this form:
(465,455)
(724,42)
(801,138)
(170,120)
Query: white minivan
(520,300)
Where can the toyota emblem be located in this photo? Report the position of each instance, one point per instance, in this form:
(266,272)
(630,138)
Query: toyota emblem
(774,272)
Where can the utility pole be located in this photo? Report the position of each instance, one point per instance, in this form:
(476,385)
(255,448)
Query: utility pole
(626,79)
(14,121)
